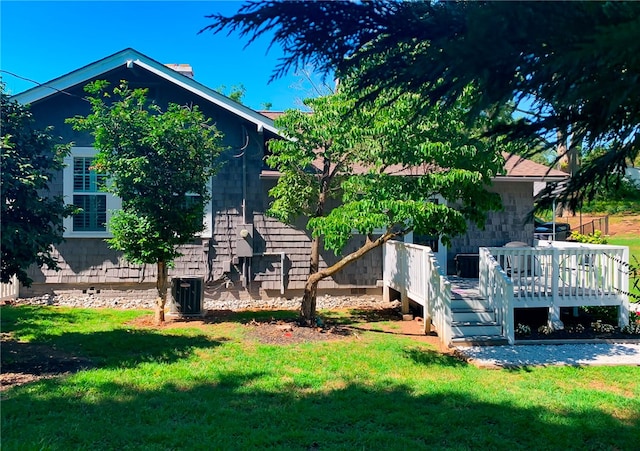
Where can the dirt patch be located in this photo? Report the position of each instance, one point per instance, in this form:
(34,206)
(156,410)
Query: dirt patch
(289,331)
(386,321)
(628,224)
(23,362)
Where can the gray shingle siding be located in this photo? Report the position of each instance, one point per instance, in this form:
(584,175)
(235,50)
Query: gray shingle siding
(501,227)
(88,262)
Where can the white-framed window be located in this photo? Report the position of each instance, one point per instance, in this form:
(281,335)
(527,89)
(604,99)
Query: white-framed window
(207,221)
(83,187)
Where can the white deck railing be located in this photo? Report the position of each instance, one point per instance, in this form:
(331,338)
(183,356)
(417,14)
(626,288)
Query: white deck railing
(565,271)
(552,275)
(413,271)
(10,290)
(563,274)
(497,288)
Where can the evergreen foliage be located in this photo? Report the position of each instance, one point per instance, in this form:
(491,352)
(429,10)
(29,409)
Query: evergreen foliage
(573,63)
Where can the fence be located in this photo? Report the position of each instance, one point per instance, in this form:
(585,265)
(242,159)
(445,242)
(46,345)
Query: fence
(590,227)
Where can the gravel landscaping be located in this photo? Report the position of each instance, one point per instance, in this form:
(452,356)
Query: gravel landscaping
(323,303)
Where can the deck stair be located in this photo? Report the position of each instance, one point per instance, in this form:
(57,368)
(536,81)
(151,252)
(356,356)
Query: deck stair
(473,319)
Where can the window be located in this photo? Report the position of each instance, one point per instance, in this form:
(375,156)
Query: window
(86,186)
(205,222)
(83,188)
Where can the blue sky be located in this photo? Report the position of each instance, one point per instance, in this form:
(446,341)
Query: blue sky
(42,40)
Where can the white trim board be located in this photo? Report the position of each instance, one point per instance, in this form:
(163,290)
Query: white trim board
(126,58)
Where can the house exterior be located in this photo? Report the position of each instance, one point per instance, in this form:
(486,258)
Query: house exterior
(513,223)
(242,253)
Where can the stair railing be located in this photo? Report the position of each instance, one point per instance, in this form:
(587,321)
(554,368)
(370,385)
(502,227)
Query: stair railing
(497,288)
(438,299)
(414,272)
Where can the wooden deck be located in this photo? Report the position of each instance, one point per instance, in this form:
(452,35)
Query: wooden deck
(552,275)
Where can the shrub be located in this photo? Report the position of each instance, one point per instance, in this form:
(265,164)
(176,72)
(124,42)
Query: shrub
(545,330)
(631,329)
(523,330)
(575,329)
(592,238)
(601,327)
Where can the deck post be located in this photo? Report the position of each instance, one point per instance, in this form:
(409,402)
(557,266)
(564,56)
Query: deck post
(623,314)
(404,300)
(554,311)
(554,318)
(623,274)
(386,293)
(426,326)
(509,316)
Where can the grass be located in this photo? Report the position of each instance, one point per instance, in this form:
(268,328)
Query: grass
(216,389)
(633,241)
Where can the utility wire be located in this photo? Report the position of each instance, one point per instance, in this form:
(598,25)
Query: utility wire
(44,85)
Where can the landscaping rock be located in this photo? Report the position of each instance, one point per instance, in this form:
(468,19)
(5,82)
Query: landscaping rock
(325,302)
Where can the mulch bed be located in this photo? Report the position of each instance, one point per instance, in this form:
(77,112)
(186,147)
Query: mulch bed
(291,332)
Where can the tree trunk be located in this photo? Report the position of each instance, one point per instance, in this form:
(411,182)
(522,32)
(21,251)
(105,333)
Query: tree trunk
(561,151)
(308,307)
(563,164)
(308,311)
(161,285)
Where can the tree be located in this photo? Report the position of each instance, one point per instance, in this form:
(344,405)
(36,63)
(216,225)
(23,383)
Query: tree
(353,160)
(31,218)
(236,93)
(159,164)
(573,65)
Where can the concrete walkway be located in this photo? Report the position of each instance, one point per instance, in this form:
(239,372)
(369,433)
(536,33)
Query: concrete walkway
(588,354)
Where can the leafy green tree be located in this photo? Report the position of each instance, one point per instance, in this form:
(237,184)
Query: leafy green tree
(31,218)
(159,164)
(352,158)
(236,93)
(573,65)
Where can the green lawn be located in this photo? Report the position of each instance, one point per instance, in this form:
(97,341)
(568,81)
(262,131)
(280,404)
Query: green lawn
(217,389)
(633,241)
